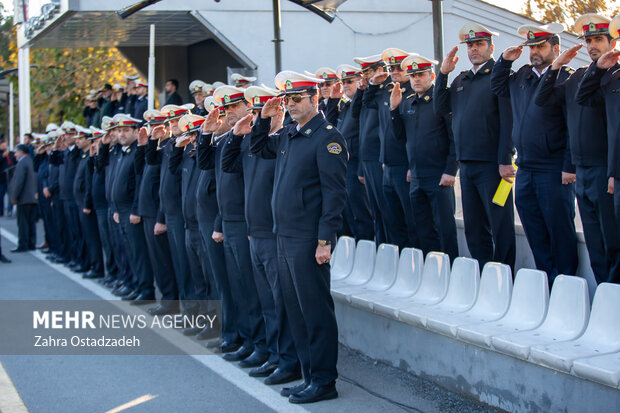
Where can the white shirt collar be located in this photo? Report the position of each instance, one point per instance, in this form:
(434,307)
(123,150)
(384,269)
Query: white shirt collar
(543,72)
(71,148)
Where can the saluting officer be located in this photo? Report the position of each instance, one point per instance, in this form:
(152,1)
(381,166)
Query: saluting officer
(432,158)
(588,147)
(482,128)
(282,365)
(240,81)
(401,227)
(330,93)
(61,253)
(141,103)
(197,88)
(309,195)
(544,186)
(158,248)
(603,78)
(357,217)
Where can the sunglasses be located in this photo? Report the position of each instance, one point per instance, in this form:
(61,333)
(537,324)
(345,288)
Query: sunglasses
(327,84)
(295,98)
(349,81)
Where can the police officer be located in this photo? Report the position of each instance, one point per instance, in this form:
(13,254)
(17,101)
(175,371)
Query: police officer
(603,77)
(82,192)
(399,214)
(482,127)
(149,209)
(141,103)
(240,81)
(230,195)
(357,216)
(308,199)
(588,146)
(330,93)
(42,168)
(60,253)
(282,365)
(544,186)
(125,191)
(432,158)
(198,90)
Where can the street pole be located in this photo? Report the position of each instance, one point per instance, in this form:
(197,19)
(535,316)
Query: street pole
(438,30)
(11,117)
(151,80)
(23,59)
(277,40)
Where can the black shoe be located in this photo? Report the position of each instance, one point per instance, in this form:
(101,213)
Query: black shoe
(46,251)
(283,376)
(314,393)
(192,331)
(16,250)
(60,260)
(131,296)
(143,298)
(122,291)
(240,354)
(4,259)
(207,333)
(265,370)
(92,274)
(255,359)
(80,269)
(71,265)
(163,309)
(287,391)
(228,347)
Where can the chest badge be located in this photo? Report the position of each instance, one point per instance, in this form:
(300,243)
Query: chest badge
(427,98)
(334,148)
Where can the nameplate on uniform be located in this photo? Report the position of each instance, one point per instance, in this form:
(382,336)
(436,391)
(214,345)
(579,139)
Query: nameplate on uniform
(334,148)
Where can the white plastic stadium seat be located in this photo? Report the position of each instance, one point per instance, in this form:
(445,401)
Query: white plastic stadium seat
(528,307)
(343,257)
(567,317)
(604,369)
(362,265)
(602,335)
(492,302)
(462,292)
(433,286)
(386,264)
(407,282)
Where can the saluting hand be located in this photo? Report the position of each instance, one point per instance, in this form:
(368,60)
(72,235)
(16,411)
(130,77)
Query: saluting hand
(379,78)
(243,126)
(337,91)
(449,63)
(107,138)
(565,57)
(182,142)
(272,108)
(512,53)
(143,136)
(396,97)
(608,59)
(212,123)
(158,132)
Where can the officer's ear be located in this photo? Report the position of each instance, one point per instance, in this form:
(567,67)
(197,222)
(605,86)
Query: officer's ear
(492,47)
(613,44)
(432,76)
(315,99)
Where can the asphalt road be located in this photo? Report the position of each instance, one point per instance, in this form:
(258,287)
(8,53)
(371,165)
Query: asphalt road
(204,383)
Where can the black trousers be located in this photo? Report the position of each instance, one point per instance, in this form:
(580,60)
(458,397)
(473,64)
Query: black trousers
(401,222)
(77,248)
(195,255)
(600,228)
(52,234)
(26,226)
(121,251)
(310,308)
(62,249)
(90,232)
(357,216)
(104,235)
(161,261)
(373,175)
(138,257)
(175,231)
(489,228)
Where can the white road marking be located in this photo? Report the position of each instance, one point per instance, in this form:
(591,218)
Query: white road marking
(133,403)
(269,396)
(10,402)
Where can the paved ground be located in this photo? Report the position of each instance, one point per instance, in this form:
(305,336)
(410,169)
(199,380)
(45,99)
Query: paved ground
(175,383)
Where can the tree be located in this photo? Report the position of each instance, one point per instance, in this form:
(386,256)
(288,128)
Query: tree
(567,11)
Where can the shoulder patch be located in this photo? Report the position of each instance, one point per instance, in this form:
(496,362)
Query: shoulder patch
(334,148)
(410,96)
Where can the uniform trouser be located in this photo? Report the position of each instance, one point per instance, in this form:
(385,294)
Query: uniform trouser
(489,228)
(92,242)
(195,253)
(547,211)
(161,261)
(221,290)
(373,175)
(249,319)
(121,251)
(175,229)
(77,248)
(278,333)
(52,235)
(138,255)
(600,228)
(106,245)
(617,198)
(26,226)
(309,307)
(396,191)
(433,209)
(3,188)
(58,213)
(358,209)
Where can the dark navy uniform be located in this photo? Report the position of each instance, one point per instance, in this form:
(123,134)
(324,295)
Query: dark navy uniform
(88,222)
(399,215)
(430,149)
(42,168)
(309,195)
(545,205)
(482,128)
(148,209)
(258,177)
(62,251)
(595,81)
(139,107)
(357,215)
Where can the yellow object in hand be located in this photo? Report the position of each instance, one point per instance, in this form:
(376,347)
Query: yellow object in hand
(503,190)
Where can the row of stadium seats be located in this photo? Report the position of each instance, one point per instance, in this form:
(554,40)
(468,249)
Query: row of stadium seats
(522,320)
